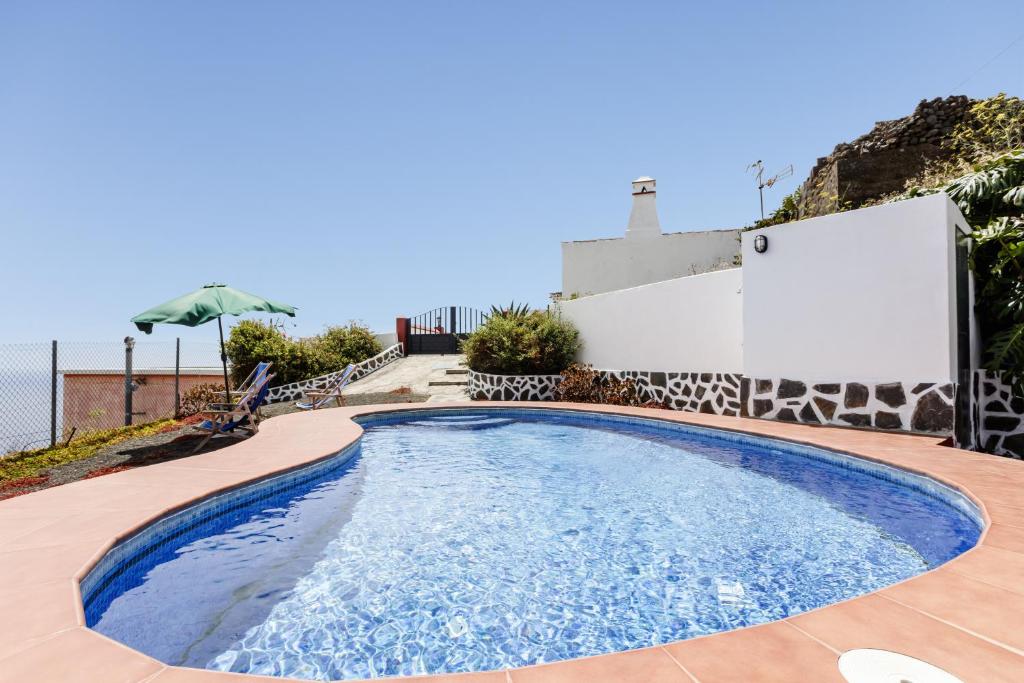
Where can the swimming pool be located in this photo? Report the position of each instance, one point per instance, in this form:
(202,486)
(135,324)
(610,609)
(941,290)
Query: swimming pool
(473,540)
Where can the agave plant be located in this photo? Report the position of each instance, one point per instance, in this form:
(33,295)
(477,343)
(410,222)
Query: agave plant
(992,198)
(513,310)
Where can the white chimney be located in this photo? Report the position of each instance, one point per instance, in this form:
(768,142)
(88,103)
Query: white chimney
(643,219)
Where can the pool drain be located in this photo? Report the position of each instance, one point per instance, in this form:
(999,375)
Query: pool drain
(882,666)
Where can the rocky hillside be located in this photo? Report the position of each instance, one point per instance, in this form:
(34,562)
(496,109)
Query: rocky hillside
(881,161)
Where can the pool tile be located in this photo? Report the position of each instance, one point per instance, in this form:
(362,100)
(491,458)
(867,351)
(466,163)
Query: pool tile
(639,666)
(1007,492)
(878,623)
(1001,513)
(987,610)
(1005,537)
(773,652)
(82,526)
(16,524)
(995,566)
(43,610)
(78,656)
(31,566)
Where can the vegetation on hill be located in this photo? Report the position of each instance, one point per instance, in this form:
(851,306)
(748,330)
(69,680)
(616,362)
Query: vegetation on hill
(517,341)
(252,341)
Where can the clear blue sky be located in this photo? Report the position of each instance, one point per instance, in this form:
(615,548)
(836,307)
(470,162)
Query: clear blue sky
(363,160)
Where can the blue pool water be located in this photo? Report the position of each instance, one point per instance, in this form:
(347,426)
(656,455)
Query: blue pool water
(466,541)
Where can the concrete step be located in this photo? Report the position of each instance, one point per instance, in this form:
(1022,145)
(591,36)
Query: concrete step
(448,383)
(457,371)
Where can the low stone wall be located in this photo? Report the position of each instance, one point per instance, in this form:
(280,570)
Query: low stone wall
(296,390)
(485,387)
(716,393)
(997,415)
(892,406)
(926,407)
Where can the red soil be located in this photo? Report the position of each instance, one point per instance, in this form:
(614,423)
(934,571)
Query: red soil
(18,487)
(99,472)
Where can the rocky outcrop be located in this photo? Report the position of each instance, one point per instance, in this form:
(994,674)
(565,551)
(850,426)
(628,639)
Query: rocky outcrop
(882,161)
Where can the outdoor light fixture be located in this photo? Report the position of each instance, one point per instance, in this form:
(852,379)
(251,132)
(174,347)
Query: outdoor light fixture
(761,244)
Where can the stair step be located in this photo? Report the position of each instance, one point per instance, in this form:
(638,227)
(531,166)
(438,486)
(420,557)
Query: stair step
(448,383)
(456,371)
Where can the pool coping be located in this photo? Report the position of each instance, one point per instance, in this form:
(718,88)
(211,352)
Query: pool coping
(963,616)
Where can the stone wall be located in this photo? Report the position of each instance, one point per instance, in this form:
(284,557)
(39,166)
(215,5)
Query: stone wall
(297,390)
(485,387)
(897,406)
(881,161)
(997,416)
(716,393)
(922,407)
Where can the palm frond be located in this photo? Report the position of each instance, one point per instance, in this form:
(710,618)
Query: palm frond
(1014,196)
(976,191)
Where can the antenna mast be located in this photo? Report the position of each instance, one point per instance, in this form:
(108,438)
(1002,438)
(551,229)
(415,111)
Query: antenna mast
(762,182)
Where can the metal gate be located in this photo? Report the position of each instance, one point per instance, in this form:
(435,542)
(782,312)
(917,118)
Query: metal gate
(442,329)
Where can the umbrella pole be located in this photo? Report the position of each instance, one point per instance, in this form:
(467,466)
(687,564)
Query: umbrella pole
(224,361)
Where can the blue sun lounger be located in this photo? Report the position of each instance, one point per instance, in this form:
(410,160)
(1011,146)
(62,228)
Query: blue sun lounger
(317,398)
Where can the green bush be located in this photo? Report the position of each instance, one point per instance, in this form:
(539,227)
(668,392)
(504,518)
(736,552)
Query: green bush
(252,341)
(537,343)
(348,344)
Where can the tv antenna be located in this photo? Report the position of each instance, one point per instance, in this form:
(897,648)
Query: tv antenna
(762,182)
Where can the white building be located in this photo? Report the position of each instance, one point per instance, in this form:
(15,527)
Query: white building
(857,319)
(645,255)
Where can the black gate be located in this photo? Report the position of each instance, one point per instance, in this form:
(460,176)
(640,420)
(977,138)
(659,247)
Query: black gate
(442,329)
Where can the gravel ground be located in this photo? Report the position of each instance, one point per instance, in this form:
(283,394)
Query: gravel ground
(174,444)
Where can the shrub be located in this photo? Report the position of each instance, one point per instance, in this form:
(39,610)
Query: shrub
(252,341)
(537,343)
(584,384)
(993,127)
(348,344)
(196,398)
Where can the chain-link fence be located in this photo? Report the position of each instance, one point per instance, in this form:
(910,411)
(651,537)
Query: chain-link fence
(51,392)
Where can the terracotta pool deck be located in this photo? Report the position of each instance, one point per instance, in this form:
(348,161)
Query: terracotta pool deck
(966,617)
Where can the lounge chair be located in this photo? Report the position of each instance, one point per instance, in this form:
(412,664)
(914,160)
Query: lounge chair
(261,369)
(317,398)
(243,414)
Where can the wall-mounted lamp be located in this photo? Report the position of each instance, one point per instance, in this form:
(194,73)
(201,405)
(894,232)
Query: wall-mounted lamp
(761,244)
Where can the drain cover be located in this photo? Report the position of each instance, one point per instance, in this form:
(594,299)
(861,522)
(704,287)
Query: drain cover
(881,666)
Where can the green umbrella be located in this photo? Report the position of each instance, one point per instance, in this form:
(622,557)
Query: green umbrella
(205,304)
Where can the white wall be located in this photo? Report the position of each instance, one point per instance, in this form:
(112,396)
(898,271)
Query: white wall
(689,324)
(867,295)
(386,339)
(597,266)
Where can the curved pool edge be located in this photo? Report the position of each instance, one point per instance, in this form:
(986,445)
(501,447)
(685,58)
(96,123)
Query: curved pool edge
(961,616)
